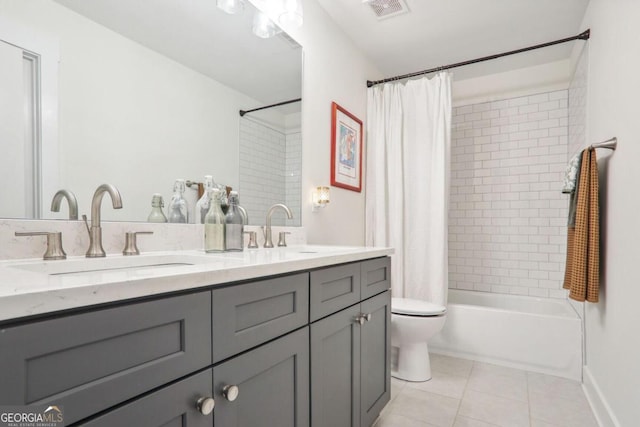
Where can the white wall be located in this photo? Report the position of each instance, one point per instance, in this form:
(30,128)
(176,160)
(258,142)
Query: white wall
(613,324)
(527,81)
(334,70)
(114,94)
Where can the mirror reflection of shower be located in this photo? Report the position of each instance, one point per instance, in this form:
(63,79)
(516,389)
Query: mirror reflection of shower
(270,160)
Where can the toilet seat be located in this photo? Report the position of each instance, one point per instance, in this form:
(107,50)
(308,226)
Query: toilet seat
(414,307)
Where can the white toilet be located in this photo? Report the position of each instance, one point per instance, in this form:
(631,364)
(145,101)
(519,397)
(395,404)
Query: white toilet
(413,322)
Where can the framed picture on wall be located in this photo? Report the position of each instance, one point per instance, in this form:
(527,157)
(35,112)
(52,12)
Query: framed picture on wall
(346,149)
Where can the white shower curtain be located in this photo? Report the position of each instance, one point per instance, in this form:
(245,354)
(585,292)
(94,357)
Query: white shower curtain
(407,198)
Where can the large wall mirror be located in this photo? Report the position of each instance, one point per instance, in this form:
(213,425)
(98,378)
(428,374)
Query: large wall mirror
(138,93)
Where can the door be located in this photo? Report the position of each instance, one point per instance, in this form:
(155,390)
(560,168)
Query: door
(375,375)
(271,385)
(335,370)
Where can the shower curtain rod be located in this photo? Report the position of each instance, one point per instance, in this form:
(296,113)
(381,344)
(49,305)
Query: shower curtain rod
(582,36)
(291,101)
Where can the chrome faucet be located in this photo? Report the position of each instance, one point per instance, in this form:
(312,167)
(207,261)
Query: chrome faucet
(268,241)
(71,200)
(95,232)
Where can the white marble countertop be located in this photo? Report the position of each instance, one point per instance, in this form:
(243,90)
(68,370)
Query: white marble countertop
(33,286)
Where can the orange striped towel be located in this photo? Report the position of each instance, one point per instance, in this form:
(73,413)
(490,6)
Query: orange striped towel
(582,273)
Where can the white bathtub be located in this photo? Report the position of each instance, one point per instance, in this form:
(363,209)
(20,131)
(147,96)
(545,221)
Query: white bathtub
(535,334)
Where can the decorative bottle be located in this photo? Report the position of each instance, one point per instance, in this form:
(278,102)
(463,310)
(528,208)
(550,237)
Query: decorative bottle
(214,227)
(202,207)
(234,225)
(157,203)
(178,211)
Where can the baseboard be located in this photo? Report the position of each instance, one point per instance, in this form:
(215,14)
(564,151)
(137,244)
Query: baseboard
(599,405)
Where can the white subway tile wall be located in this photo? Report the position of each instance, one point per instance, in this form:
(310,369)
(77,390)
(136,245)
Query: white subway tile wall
(507,216)
(264,167)
(293,178)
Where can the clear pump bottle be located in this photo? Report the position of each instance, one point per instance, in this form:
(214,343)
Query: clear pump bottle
(178,211)
(234,224)
(157,203)
(214,226)
(202,207)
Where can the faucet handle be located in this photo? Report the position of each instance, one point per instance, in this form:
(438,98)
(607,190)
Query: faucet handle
(130,242)
(282,238)
(54,243)
(253,244)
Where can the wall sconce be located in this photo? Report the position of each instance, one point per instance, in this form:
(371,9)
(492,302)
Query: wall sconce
(320,198)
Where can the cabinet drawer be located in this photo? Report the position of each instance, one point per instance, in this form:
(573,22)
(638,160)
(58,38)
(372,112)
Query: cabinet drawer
(376,276)
(245,316)
(172,406)
(332,289)
(91,361)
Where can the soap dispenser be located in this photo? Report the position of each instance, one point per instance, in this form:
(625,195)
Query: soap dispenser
(234,224)
(202,207)
(157,203)
(214,224)
(178,211)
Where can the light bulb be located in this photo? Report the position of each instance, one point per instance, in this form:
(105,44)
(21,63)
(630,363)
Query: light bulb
(231,6)
(263,26)
(291,14)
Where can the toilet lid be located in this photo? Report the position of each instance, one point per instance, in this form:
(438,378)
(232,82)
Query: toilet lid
(416,307)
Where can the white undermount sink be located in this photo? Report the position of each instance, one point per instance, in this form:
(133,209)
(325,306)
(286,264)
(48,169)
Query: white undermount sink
(118,263)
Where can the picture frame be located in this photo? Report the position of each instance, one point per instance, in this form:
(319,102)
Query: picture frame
(346,149)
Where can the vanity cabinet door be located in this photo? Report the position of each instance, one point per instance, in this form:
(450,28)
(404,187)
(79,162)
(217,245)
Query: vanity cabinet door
(272,385)
(335,370)
(376,277)
(375,353)
(350,364)
(92,361)
(334,288)
(172,406)
(248,315)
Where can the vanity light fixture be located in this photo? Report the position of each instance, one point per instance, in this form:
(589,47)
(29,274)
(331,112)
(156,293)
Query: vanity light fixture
(232,7)
(320,198)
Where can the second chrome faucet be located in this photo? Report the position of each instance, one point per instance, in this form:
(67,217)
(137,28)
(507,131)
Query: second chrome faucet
(95,231)
(268,241)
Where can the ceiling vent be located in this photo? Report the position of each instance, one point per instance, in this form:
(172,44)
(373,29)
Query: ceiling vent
(387,8)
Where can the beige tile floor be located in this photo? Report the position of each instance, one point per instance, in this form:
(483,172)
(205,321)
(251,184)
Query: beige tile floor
(463,393)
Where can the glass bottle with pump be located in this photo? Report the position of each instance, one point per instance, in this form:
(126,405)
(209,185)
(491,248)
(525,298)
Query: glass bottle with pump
(214,226)
(178,211)
(234,224)
(202,207)
(156,215)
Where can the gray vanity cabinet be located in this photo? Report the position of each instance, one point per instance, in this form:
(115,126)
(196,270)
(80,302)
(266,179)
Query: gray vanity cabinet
(350,352)
(305,348)
(272,384)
